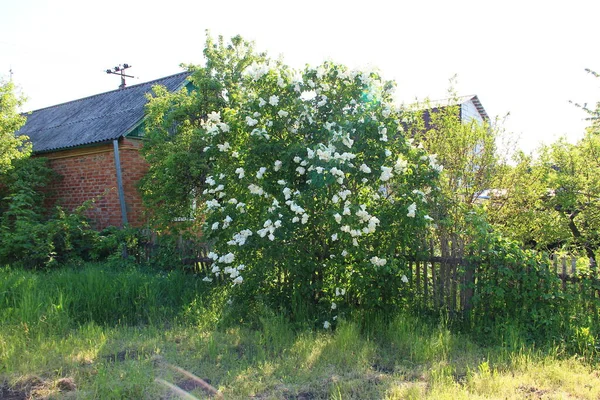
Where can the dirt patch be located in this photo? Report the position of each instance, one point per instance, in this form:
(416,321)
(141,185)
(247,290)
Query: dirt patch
(23,389)
(531,392)
(190,384)
(66,385)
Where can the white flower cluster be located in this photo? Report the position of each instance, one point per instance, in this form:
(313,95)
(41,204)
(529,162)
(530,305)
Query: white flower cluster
(240,238)
(433,163)
(401,165)
(269,228)
(255,71)
(378,262)
(255,189)
(412,209)
(337,173)
(386,173)
(261,172)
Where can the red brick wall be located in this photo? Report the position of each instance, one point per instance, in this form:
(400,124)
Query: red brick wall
(89,173)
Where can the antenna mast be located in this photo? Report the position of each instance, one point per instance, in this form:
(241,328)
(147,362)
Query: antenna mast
(120,70)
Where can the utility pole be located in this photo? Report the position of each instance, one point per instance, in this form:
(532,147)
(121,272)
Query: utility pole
(120,70)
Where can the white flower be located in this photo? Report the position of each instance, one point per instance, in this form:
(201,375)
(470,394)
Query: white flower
(304,219)
(251,121)
(428,218)
(287,193)
(340,292)
(326,325)
(338,218)
(411,210)
(295,220)
(281,182)
(224,127)
(333,306)
(215,226)
(214,116)
(207,279)
(344,253)
(386,173)
(261,172)
(364,168)
(301,170)
(227,258)
(401,165)
(238,280)
(388,153)
(283,113)
(334,237)
(261,102)
(404,279)
(273,100)
(378,262)
(297,159)
(277,165)
(240,172)
(255,189)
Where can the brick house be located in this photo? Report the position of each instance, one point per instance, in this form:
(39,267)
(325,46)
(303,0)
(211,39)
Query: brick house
(93,144)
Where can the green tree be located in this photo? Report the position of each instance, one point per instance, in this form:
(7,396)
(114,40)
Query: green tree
(12,147)
(469,154)
(551,202)
(310,192)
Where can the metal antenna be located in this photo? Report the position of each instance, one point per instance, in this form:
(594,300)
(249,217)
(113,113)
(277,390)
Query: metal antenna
(120,70)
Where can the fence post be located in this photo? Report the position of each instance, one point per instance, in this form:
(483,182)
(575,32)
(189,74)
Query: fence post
(469,289)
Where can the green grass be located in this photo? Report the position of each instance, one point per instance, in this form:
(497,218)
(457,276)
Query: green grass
(108,330)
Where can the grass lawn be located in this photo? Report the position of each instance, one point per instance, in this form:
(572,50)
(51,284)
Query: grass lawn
(101,333)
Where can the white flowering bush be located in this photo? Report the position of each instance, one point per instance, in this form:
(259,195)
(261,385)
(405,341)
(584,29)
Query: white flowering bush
(311,195)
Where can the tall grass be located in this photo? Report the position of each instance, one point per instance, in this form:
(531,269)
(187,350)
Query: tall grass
(105,326)
(105,295)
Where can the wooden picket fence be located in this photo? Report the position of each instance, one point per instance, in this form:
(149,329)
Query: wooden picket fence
(440,274)
(449,282)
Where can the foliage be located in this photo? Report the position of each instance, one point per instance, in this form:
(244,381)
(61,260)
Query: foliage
(314,162)
(515,287)
(550,202)
(469,154)
(32,235)
(12,147)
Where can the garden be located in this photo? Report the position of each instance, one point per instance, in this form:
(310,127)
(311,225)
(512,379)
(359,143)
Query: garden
(342,247)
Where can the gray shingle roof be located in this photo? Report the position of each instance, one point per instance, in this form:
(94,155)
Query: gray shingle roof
(95,119)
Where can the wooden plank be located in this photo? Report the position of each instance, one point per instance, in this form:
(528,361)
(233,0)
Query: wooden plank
(425,283)
(564,274)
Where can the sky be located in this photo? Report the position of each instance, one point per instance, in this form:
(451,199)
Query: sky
(523,58)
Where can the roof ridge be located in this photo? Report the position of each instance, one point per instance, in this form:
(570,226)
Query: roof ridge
(110,91)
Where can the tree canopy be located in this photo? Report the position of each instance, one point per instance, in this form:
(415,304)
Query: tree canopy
(12,147)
